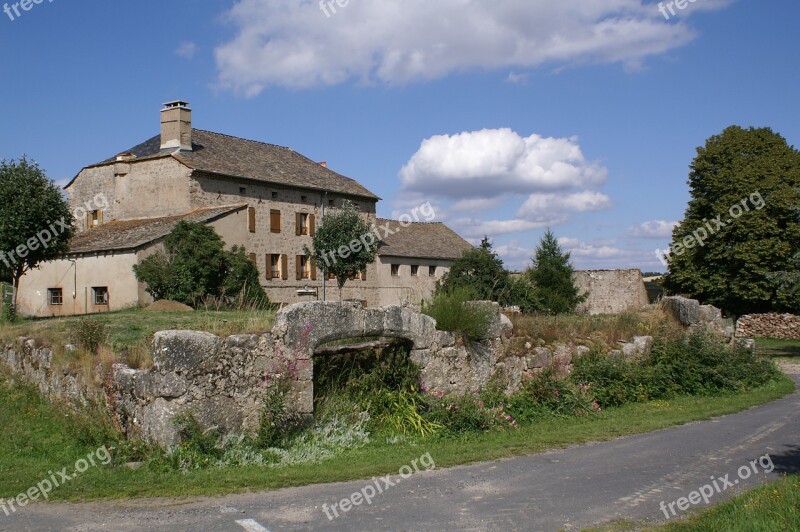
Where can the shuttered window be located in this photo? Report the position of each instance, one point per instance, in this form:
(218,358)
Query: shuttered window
(275,221)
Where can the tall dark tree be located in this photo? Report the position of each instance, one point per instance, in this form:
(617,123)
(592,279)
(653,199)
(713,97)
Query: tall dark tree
(740,227)
(552,277)
(480,270)
(35,220)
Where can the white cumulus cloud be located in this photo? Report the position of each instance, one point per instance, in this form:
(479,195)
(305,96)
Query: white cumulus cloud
(546,206)
(653,229)
(491,162)
(294,43)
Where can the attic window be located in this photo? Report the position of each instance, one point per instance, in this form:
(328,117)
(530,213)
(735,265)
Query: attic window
(242,190)
(303,198)
(395,270)
(330,203)
(274,195)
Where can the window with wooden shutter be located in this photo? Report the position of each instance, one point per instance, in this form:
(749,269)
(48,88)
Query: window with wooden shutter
(275,221)
(312,229)
(270,265)
(285,267)
(299,267)
(313,270)
(251,219)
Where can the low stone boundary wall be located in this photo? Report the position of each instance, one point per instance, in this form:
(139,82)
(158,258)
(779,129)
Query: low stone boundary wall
(783,326)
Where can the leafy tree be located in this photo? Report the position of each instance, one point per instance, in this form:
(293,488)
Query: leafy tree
(195,265)
(552,276)
(344,244)
(35,220)
(242,280)
(740,227)
(482,272)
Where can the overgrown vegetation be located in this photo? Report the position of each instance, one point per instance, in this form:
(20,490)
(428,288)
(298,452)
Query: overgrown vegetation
(453,312)
(195,269)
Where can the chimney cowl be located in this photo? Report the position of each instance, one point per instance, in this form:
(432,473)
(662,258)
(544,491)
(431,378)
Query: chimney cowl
(176,126)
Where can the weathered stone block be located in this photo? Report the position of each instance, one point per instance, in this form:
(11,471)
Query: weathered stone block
(186,351)
(686,311)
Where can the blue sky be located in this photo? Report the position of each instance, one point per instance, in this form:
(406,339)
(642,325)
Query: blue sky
(508,116)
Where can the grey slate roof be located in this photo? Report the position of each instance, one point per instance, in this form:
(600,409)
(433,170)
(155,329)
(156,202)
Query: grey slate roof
(236,157)
(127,235)
(421,240)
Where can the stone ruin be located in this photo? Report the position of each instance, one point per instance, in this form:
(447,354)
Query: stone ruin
(222,381)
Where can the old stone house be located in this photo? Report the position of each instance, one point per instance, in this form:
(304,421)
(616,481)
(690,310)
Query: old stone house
(264,197)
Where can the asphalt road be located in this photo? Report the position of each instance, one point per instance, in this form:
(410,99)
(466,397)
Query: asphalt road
(565,489)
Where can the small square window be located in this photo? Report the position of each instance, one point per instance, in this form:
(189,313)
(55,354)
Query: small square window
(414,270)
(55,296)
(100,295)
(242,190)
(432,271)
(274,195)
(395,270)
(303,198)
(330,203)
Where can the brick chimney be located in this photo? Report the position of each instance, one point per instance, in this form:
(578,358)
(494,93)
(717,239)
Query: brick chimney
(176,126)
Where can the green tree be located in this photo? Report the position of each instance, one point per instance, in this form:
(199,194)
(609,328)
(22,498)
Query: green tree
(242,280)
(344,245)
(740,227)
(481,271)
(195,265)
(35,220)
(552,276)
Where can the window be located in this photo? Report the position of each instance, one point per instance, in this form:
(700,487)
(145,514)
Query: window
(251,219)
(414,270)
(303,198)
(331,276)
(100,295)
(274,195)
(275,221)
(242,190)
(277,267)
(55,296)
(94,218)
(304,224)
(306,268)
(432,271)
(395,270)
(330,203)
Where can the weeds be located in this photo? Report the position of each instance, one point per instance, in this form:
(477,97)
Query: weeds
(453,313)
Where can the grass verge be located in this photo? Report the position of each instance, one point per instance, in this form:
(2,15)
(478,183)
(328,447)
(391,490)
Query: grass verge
(39,438)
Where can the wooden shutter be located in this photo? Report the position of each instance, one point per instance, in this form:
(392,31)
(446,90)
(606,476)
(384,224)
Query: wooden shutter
(312,230)
(269,267)
(251,219)
(285,267)
(88,220)
(364,275)
(299,263)
(313,270)
(100,218)
(298,222)
(275,221)
(253,258)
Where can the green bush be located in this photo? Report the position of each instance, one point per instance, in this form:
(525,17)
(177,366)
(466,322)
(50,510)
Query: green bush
(460,414)
(549,395)
(89,334)
(698,364)
(453,313)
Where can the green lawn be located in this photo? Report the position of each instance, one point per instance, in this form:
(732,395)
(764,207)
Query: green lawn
(135,327)
(771,347)
(38,438)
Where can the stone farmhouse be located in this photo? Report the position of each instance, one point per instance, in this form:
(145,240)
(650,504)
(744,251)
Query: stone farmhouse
(264,197)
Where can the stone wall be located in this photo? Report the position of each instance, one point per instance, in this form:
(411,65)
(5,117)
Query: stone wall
(611,291)
(222,381)
(783,326)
